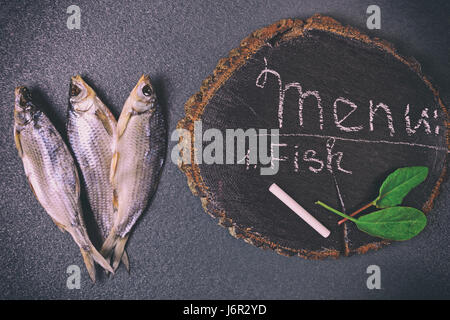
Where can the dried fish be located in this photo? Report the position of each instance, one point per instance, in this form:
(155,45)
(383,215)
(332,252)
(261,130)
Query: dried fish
(139,153)
(52,174)
(90,129)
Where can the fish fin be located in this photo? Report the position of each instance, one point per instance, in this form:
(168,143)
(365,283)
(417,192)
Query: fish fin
(126,261)
(122,124)
(60,226)
(32,188)
(77,182)
(114,161)
(119,250)
(104,120)
(109,262)
(115,200)
(89,262)
(100,260)
(109,244)
(18,143)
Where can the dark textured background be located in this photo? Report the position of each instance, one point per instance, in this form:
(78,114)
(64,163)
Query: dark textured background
(177,251)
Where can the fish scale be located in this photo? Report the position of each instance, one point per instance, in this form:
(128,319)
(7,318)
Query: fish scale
(95,173)
(54,171)
(140,146)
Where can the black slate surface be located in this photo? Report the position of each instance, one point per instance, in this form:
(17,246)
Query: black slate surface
(176,250)
(336,69)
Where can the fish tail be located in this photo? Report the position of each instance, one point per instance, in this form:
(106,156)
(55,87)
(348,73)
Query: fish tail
(89,262)
(109,262)
(119,252)
(88,251)
(114,246)
(89,256)
(126,261)
(109,244)
(100,260)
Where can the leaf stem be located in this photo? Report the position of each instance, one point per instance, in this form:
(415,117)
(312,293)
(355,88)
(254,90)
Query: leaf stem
(357,211)
(335,211)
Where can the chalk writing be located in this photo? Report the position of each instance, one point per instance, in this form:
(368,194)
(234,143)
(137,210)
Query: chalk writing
(282,92)
(314,161)
(362,140)
(338,121)
(340,104)
(372,112)
(309,156)
(331,155)
(422,121)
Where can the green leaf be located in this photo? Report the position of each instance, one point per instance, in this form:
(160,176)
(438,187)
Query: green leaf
(398,184)
(396,223)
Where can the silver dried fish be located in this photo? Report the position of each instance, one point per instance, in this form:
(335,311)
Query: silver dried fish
(52,174)
(139,153)
(90,130)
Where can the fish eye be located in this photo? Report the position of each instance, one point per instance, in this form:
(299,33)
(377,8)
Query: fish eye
(24,91)
(25,97)
(147,90)
(74,90)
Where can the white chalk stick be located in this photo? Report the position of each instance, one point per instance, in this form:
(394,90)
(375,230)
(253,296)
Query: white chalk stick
(298,209)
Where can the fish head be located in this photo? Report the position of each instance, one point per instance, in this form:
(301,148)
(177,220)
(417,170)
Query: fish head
(81,95)
(24,109)
(144,95)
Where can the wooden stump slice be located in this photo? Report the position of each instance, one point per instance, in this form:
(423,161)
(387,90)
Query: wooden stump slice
(349,111)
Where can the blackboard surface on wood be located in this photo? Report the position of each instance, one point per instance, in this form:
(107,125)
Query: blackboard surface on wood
(349,110)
